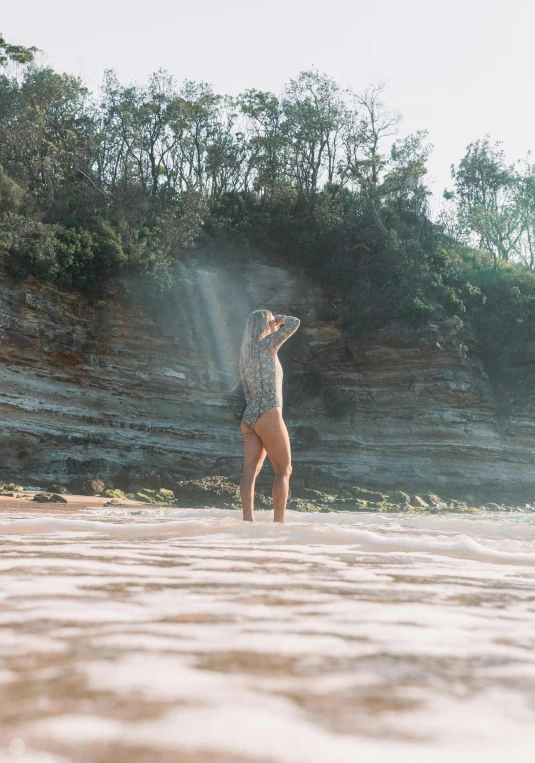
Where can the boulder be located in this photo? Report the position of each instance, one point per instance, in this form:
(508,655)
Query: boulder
(357,505)
(209,491)
(400,498)
(301,504)
(311,495)
(155,496)
(49,498)
(56,487)
(113,494)
(366,495)
(89,485)
(417,501)
(42,497)
(432,499)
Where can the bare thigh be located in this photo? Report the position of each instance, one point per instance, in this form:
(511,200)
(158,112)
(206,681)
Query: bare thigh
(253,451)
(272,431)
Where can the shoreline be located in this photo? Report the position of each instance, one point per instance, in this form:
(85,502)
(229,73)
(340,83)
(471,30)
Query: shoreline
(70,501)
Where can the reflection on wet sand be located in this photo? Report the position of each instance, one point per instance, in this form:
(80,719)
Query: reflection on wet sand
(180,635)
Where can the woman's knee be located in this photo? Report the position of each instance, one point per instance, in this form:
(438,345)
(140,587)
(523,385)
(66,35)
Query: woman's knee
(283,471)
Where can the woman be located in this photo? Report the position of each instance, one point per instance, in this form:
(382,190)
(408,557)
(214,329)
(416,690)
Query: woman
(264,430)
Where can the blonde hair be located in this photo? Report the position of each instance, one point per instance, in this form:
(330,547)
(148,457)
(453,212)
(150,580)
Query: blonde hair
(257,323)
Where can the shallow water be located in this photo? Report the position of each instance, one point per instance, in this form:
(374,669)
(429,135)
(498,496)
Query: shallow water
(186,635)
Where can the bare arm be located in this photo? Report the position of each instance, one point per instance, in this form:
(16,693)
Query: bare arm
(288,325)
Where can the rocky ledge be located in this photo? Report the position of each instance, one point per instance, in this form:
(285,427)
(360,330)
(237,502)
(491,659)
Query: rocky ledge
(220,492)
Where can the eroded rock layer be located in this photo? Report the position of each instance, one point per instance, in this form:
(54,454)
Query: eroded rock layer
(97,387)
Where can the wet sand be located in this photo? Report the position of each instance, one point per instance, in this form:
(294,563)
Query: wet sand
(161,634)
(78,501)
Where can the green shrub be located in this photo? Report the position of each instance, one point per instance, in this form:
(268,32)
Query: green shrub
(11,194)
(418,312)
(29,247)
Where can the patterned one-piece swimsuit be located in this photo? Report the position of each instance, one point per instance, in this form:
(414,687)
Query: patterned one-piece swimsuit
(262,375)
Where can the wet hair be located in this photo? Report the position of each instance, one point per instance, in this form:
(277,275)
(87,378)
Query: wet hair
(257,323)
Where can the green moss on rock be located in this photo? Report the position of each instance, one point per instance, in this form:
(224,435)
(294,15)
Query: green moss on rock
(399,497)
(10,487)
(154,496)
(113,494)
(58,488)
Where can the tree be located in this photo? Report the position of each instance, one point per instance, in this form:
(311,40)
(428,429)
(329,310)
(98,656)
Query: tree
(488,197)
(369,124)
(405,171)
(527,203)
(384,178)
(265,142)
(19,54)
(314,113)
(42,128)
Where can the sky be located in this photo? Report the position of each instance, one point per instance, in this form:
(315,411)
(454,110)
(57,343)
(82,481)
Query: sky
(459,69)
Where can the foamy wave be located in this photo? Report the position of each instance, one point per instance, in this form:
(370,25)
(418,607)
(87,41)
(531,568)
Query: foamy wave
(187,634)
(385,537)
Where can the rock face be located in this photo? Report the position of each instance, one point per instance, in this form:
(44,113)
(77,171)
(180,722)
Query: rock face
(97,388)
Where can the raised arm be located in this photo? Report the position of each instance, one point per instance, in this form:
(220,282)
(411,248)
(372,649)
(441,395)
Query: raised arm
(284,332)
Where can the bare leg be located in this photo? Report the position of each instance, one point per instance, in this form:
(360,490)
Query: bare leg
(253,458)
(274,435)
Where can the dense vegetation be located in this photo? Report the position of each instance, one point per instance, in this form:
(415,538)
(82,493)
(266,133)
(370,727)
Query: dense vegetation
(143,179)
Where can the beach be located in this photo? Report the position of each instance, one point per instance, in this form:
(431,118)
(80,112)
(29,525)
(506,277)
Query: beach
(140,633)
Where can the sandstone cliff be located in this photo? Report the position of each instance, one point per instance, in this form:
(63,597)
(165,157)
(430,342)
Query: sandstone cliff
(98,387)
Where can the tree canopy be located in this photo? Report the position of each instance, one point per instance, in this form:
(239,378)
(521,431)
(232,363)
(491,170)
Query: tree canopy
(141,178)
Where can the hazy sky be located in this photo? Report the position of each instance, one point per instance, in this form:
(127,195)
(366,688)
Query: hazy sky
(459,69)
